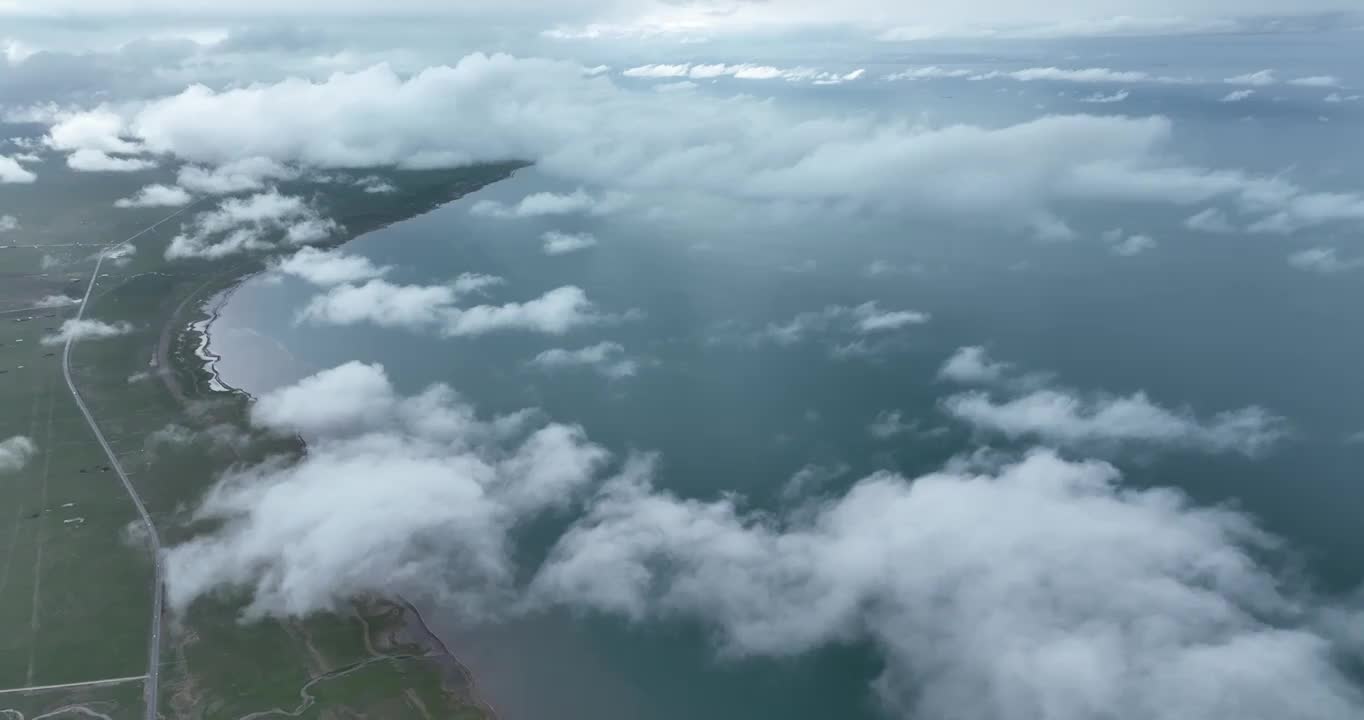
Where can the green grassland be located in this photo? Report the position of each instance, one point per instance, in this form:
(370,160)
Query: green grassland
(75,575)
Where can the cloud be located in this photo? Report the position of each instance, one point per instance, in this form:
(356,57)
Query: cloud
(15,452)
(589,131)
(1210,220)
(433,308)
(1151,602)
(865,319)
(99,161)
(881,268)
(121,254)
(1236,96)
(931,72)
(1336,97)
(1079,75)
(871,319)
(8,223)
(547,203)
(375,185)
(704,71)
(1309,210)
(607,358)
(1316,81)
(658,71)
(1128,245)
(382,303)
(329,267)
(156,196)
(556,312)
(889,423)
(810,480)
(1262,78)
(12,172)
(562,243)
(475,283)
(651,18)
(1036,28)
(223,436)
(235,176)
(1282,206)
(1039,410)
(101,130)
(56,301)
(259,222)
(1323,260)
(74,330)
(1067,419)
(1100,98)
(972,366)
(450,488)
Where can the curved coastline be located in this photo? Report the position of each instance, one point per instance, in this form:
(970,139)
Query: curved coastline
(191,326)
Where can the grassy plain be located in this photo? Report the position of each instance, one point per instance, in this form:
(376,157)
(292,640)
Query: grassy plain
(75,577)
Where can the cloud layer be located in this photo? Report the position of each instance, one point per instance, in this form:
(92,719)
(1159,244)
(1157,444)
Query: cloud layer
(588,130)
(1084,596)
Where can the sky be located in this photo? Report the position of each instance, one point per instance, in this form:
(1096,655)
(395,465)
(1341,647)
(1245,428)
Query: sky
(1027,576)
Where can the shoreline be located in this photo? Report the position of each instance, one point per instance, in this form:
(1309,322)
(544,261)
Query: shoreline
(213,306)
(196,331)
(413,617)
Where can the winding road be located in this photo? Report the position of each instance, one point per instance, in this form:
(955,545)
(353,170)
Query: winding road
(152,687)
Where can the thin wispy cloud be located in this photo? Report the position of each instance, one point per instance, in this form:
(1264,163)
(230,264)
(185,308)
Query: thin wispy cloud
(1036,409)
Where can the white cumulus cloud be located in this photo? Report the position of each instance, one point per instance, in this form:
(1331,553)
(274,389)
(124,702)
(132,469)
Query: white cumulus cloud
(435,308)
(1153,601)
(972,365)
(12,172)
(396,493)
(86,160)
(562,243)
(607,358)
(156,196)
(235,176)
(84,329)
(263,221)
(547,203)
(329,267)
(15,452)
(1044,584)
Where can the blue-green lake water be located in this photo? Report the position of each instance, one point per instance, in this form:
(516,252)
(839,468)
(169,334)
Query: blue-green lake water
(1213,323)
